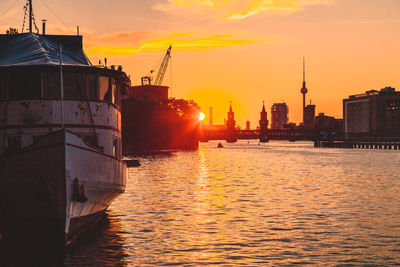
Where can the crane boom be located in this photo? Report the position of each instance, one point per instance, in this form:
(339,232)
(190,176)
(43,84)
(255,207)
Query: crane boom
(163,67)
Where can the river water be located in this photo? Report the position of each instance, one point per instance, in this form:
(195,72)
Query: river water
(278,203)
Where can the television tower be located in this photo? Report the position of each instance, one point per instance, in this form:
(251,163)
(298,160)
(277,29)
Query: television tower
(304,88)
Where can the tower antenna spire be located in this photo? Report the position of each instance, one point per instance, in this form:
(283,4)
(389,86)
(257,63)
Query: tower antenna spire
(304,70)
(30,15)
(304,88)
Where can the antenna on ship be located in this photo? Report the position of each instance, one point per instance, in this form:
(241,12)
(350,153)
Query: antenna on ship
(31,17)
(61,87)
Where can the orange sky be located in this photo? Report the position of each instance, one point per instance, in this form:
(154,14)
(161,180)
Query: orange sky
(246,51)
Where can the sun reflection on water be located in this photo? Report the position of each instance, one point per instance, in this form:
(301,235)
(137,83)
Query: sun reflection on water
(278,203)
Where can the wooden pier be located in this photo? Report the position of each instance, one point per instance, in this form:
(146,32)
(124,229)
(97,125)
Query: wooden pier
(369,144)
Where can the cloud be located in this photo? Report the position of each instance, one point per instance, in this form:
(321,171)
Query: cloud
(181,42)
(259,6)
(121,38)
(235,9)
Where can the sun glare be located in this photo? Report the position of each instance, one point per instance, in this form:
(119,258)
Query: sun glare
(201,116)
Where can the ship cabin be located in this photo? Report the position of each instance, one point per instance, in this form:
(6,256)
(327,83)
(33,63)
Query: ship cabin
(47,83)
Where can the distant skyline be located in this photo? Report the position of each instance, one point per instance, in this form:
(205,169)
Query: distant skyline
(246,51)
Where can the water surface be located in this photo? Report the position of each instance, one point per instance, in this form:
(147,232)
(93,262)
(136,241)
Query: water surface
(277,203)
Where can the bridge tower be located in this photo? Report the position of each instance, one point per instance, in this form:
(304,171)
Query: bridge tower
(263,125)
(231,136)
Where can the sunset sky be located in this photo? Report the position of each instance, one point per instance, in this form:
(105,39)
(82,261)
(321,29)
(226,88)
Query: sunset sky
(245,51)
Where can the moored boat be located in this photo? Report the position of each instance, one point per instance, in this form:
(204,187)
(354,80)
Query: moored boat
(60,138)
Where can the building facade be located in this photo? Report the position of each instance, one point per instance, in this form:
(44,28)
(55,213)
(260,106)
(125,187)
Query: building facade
(309,115)
(326,126)
(279,115)
(372,114)
(149,92)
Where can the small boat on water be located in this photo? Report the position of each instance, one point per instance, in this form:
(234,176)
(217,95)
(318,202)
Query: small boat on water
(61,160)
(220,145)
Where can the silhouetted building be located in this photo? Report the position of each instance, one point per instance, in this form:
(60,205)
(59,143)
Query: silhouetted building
(328,127)
(279,115)
(247,125)
(230,126)
(290,125)
(304,90)
(149,92)
(263,125)
(372,114)
(149,125)
(210,116)
(309,114)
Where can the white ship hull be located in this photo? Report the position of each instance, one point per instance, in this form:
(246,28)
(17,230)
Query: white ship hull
(57,187)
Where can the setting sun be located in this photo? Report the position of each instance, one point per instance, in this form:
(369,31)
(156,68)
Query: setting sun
(201,116)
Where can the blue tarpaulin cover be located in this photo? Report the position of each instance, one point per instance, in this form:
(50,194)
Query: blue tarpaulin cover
(30,49)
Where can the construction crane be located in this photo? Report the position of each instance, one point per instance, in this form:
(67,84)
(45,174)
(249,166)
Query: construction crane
(161,71)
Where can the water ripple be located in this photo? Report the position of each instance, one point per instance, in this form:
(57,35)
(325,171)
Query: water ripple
(279,203)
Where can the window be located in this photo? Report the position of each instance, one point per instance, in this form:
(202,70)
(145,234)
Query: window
(82,86)
(92,86)
(116,147)
(25,84)
(70,80)
(77,86)
(51,84)
(104,88)
(114,97)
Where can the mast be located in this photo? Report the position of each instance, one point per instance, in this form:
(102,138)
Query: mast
(61,87)
(30,15)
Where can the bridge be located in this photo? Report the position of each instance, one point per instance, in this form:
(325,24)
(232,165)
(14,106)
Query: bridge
(230,133)
(221,133)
